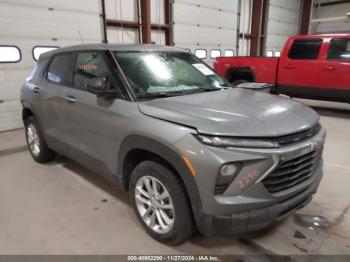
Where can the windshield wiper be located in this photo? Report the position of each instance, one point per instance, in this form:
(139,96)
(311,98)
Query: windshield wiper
(204,89)
(160,94)
(181,92)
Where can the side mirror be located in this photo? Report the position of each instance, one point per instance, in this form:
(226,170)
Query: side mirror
(96,85)
(99,87)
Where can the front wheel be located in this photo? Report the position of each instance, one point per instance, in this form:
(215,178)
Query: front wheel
(160,203)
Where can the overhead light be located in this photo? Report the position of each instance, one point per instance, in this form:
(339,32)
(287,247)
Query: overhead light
(269,54)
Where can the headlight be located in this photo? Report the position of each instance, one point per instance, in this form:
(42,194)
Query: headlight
(236,142)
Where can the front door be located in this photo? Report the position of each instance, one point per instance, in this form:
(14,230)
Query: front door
(92,121)
(298,69)
(334,74)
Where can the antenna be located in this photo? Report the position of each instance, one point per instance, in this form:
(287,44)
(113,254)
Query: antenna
(81,38)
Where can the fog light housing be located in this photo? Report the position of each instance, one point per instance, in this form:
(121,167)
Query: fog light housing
(228,170)
(226,175)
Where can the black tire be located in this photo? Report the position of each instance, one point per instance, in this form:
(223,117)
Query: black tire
(238,82)
(183,226)
(45,153)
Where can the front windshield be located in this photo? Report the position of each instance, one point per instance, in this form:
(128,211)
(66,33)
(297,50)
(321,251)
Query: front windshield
(167,73)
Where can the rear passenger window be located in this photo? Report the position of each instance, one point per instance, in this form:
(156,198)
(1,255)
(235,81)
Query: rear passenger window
(60,69)
(339,49)
(305,49)
(91,65)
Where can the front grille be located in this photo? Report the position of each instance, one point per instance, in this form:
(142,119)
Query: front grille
(298,137)
(292,172)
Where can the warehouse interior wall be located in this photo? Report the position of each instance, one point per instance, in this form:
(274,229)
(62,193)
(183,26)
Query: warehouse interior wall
(31,26)
(190,25)
(204,27)
(283,22)
(330,16)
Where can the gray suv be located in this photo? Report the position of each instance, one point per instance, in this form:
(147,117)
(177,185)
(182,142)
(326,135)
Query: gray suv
(193,152)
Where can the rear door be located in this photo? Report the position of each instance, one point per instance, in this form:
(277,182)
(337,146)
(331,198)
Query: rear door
(334,74)
(299,67)
(51,90)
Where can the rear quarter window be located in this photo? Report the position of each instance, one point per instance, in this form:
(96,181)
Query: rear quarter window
(39,69)
(305,49)
(60,70)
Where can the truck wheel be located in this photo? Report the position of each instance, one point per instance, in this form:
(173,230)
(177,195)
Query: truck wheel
(238,82)
(36,143)
(160,203)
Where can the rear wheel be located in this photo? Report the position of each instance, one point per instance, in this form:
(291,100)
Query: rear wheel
(160,203)
(36,143)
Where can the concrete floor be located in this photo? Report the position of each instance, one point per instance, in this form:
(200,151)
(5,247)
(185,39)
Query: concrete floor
(62,208)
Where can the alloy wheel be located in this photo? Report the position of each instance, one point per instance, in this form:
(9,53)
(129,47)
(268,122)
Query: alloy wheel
(154,204)
(33,140)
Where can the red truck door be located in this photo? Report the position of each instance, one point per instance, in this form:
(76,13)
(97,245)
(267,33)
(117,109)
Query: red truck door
(299,66)
(334,75)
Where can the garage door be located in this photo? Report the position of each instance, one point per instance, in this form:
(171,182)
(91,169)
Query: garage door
(283,22)
(43,23)
(123,10)
(206,27)
(330,18)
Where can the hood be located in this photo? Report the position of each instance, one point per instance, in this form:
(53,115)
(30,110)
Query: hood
(234,112)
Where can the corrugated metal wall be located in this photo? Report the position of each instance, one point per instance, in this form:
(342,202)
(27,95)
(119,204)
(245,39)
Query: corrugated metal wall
(333,18)
(198,24)
(283,22)
(125,10)
(208,25)
(157,17)
(195,24)
(39,23)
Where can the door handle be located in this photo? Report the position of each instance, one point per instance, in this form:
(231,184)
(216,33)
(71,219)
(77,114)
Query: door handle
(329,68)
(36,90)
(289,66)
(70,99)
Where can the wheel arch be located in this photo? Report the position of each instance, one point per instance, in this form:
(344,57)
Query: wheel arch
(138,144)
(26,111)
(240,73)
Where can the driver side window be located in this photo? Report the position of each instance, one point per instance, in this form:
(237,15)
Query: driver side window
(91,65)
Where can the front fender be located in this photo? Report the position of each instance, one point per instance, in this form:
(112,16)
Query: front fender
(169,155)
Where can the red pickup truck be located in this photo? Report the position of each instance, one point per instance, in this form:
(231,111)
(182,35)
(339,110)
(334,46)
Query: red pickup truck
(310,66)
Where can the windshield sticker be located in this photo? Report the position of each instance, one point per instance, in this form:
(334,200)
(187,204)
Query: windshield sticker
(203,69)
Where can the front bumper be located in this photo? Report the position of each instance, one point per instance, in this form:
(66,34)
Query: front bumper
(256,219)
(252,207)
